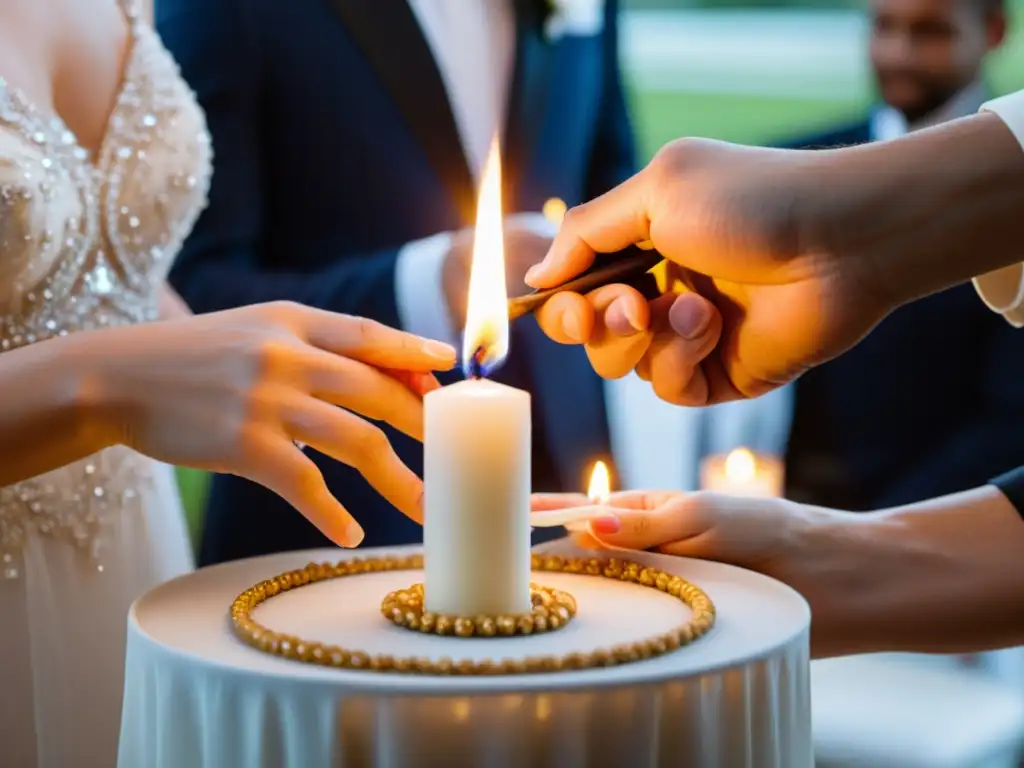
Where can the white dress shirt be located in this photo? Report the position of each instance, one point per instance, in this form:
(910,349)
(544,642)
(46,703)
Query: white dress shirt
(1003,289)
(655,444)
(473,45)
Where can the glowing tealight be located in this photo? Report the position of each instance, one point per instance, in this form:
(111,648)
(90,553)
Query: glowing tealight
(554,210)
(740,466)
(743,473)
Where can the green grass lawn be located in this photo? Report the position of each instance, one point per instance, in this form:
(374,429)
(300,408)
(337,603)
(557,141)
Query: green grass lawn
(661,117)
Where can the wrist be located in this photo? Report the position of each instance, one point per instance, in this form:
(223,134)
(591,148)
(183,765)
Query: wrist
(97,393)
(922,213)
(56,415)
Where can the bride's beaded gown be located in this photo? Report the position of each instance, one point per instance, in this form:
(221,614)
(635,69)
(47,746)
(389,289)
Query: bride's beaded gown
(86,242)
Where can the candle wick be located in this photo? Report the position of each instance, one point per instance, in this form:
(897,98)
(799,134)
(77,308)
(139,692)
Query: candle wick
(476,363)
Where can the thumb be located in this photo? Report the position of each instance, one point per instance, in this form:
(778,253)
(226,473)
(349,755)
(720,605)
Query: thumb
(606,224)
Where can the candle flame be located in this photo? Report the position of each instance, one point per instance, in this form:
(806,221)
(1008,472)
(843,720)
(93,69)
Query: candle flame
(740,466)
(485,338)
(600,484)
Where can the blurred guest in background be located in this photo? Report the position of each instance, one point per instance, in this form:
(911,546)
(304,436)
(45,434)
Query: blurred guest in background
(349,139)
(930,403)
(927,58)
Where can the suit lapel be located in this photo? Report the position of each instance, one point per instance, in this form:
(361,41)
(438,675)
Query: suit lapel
(390,37)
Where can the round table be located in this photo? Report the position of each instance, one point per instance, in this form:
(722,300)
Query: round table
(195,696)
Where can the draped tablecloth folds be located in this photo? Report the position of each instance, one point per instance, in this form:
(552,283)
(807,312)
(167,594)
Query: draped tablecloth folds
(196,696)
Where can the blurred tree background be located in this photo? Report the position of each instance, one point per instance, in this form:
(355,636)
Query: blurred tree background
(744,71)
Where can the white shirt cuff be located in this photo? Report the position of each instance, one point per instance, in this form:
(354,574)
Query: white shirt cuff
(419,291)
(1010,109)
(1003,290)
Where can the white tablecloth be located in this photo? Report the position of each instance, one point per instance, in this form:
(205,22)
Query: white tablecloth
(195,697)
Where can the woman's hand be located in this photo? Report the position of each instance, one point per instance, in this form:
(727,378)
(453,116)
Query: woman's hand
(235,391)
(842,563)
(876,581)
(750,532)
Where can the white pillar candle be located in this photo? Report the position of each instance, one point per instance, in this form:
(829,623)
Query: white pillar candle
(477,449)
(743,473)
(477,499)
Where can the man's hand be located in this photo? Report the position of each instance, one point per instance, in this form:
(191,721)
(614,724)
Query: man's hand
(786,258)
(528,237)
(760,302)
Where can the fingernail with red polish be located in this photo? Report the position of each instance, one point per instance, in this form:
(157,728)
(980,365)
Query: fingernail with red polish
(606,525)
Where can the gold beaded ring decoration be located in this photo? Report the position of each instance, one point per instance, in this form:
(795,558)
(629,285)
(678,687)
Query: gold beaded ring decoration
(258,636)
(551,609)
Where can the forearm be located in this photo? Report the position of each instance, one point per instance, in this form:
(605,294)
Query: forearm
(50,414)
(924,212)
(942,576)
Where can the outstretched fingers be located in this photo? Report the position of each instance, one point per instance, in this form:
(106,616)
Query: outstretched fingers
(283,468)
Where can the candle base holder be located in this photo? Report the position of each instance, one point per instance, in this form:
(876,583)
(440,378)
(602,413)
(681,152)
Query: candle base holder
(550,603)
(552,609)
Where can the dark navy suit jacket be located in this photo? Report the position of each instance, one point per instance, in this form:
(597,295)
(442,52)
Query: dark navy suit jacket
(931,402)
(334,145)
